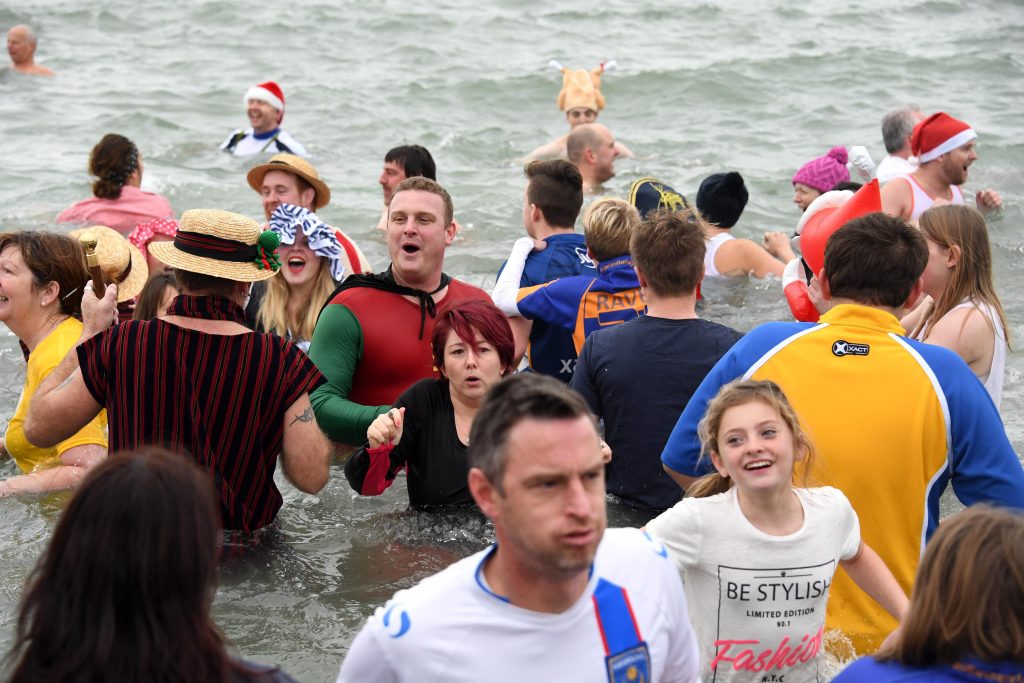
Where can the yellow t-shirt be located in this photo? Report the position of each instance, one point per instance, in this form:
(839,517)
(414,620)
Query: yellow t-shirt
(41,362)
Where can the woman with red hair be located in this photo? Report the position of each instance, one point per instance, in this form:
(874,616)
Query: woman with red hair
(427,430)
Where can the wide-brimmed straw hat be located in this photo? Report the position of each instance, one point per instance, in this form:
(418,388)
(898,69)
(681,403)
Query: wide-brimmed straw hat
(122,264)
(221,244)
(291,163)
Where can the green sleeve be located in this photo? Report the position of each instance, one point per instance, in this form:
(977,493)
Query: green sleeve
(336,349)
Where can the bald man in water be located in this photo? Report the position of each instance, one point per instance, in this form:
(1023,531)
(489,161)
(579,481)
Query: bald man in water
(591,148)
(21,46)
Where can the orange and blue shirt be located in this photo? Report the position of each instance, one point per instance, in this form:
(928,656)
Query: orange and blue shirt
(583,303)
(893,422)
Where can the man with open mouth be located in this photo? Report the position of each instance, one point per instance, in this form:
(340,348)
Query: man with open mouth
(372,339)
(945,148)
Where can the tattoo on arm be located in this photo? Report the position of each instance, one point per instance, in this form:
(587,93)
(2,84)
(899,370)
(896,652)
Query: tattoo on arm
(305,416)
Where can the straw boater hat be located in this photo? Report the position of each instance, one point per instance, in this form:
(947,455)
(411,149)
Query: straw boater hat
(221,244)
(122,264)
(296,165)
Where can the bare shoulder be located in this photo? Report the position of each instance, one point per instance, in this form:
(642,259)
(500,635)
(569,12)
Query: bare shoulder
(553,150)
(896,196)
(742,256)
(967,331)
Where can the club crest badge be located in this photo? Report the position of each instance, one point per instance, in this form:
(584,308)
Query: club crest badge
(631,666)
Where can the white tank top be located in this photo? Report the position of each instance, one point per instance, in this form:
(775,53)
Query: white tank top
(921,201)
(712,246)
(993,381)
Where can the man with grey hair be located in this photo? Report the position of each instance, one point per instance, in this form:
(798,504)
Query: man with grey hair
(897,127)
(557,597)
(591,147)
(21,46)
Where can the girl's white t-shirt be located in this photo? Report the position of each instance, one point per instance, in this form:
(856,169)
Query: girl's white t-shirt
(757,601)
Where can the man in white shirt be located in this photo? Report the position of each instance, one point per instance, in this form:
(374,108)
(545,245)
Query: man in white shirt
(556,598)
(897,127)
(264,105)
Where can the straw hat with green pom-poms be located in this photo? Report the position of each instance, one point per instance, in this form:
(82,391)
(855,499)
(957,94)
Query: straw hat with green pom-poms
(221,244)
(266,251)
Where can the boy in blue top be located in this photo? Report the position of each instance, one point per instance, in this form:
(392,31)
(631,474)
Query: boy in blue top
(554,195)
(582,303)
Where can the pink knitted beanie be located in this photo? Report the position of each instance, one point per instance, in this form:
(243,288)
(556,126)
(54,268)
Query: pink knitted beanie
(824,173)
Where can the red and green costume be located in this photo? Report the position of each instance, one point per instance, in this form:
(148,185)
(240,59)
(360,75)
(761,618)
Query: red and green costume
(372,343)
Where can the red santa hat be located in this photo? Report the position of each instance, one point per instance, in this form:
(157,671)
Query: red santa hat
(938,134)
(269,92)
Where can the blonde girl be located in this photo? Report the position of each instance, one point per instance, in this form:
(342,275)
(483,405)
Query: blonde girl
(965,314)
(312,265)
(758,552)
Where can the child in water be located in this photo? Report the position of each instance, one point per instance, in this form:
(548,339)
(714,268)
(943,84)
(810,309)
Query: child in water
(759,553)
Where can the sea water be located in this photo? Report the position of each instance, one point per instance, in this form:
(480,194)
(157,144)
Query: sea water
(701,87)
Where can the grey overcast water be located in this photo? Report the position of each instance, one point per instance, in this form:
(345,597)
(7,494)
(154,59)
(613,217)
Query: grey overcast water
(758,86)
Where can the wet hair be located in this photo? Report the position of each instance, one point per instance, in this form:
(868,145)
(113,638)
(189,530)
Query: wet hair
(963,227)
(523,396)
(112,161)
(583,137)
(875,260)
(52,257)
(556,188)
(414,160)
(123,591)
(202,284)
(847,185)
(668,247)
(608,225)
(272,314)
(738,393)
(897,125)
(968,593)
(465,316)
(432,186)
(152,295)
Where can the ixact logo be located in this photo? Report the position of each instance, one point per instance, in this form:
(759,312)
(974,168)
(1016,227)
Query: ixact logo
(845,348)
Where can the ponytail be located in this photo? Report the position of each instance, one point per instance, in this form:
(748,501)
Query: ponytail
(709,485)
(113,160)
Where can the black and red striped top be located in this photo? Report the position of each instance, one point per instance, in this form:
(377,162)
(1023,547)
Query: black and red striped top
(220,398)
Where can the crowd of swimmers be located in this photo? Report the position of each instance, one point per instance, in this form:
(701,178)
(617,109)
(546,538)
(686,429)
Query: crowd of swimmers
(201,351)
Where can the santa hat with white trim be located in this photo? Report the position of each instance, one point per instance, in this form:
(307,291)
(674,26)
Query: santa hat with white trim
(939,134)
(269,92)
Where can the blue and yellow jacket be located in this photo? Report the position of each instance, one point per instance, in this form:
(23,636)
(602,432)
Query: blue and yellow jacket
(584,303)
(893,421)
